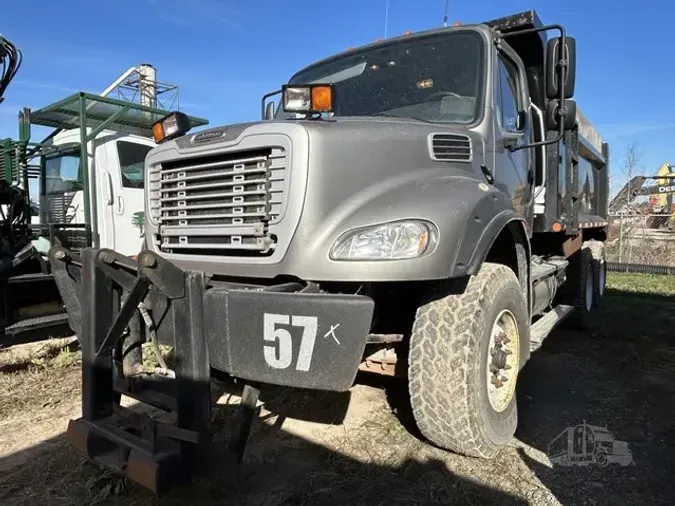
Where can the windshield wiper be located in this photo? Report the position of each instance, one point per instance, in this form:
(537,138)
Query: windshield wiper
(388,115)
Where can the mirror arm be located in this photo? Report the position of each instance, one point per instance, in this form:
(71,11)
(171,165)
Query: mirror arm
(262,102)
(561,134)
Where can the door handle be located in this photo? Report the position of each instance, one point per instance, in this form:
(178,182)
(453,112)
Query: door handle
(120,205)
(109,189)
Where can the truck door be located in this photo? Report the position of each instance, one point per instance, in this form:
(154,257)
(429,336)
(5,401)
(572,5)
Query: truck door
(513,174)
(124,172)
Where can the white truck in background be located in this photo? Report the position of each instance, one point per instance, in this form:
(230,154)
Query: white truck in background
(118,135)
(117,159)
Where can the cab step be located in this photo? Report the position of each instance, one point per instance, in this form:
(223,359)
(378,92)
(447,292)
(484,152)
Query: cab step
(545,325)
(38,323)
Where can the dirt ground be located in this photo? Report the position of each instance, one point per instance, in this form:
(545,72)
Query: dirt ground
(362,448)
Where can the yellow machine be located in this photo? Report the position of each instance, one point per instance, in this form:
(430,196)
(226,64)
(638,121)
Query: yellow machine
(660,208)
(662,202)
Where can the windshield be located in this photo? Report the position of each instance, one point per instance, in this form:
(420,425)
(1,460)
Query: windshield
(63,174)
(435,78)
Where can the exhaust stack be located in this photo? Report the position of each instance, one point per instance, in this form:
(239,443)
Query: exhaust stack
(147,84)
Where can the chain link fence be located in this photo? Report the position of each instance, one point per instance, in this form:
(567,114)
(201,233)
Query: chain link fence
(641,242)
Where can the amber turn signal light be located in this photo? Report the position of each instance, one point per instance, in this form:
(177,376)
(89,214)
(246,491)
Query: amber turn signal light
(322,98)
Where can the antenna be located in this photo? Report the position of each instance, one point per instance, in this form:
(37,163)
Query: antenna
(445,14)
(386,17)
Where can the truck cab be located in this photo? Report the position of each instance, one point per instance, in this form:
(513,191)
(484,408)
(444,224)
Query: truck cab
(116,161)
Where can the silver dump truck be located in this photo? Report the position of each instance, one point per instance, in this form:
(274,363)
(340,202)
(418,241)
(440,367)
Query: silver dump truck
(429,206)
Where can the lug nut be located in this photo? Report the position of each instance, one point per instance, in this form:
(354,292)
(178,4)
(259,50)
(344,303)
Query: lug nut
(108,258)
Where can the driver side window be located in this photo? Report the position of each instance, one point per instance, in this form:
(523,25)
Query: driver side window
(508,96)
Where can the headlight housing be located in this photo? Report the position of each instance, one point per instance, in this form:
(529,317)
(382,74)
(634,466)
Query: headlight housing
(311,98)
(171,126)
(398,240)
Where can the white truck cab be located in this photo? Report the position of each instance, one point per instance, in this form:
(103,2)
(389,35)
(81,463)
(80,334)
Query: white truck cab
(116,176)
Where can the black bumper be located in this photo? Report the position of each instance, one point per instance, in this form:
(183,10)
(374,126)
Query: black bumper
(306,340)
(288,334)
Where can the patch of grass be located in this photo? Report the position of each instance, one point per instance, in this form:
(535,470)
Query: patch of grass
(634,329)
(59,353)
(150,358)
(638,308)
(32,376)
(648,284)
(36,388)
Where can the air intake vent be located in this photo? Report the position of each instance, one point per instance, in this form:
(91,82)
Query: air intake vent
(450,148)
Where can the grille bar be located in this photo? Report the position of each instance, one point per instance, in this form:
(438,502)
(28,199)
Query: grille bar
(256,230)
(220,218)
(207,186)
(212,165)
(257,246)
(211,195)
(172,180)
(223,205)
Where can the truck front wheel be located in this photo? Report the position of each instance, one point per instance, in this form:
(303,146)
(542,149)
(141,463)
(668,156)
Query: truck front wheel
(466,351)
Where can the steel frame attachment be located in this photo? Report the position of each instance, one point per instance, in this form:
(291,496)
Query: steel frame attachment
(102,291)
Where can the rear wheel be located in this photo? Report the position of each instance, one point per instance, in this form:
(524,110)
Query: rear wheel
(599,267)
(584,288)
(466,351)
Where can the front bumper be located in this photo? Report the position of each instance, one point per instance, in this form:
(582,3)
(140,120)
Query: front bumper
(305,340)
(286,334)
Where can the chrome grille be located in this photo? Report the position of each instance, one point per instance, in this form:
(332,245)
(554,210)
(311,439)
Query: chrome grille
(220,204)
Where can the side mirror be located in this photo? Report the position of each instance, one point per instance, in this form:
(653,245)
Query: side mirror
(553,55)
(553,119)
(269,111)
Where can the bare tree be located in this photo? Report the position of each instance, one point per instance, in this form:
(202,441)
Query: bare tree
(631,165)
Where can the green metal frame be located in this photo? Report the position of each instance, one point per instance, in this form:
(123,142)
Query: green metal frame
(92,114)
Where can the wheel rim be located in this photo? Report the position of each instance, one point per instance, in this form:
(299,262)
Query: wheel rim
(503,358)
(589,290)
(601,279)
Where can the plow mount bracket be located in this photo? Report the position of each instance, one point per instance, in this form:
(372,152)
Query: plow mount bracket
(102,291)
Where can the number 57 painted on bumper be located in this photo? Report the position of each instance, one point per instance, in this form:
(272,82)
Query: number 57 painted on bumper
(288,338)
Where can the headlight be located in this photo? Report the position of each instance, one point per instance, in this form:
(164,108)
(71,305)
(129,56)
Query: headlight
(171,126)
(391,241)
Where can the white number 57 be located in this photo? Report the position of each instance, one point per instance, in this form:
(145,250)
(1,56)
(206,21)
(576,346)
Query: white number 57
(278,348)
